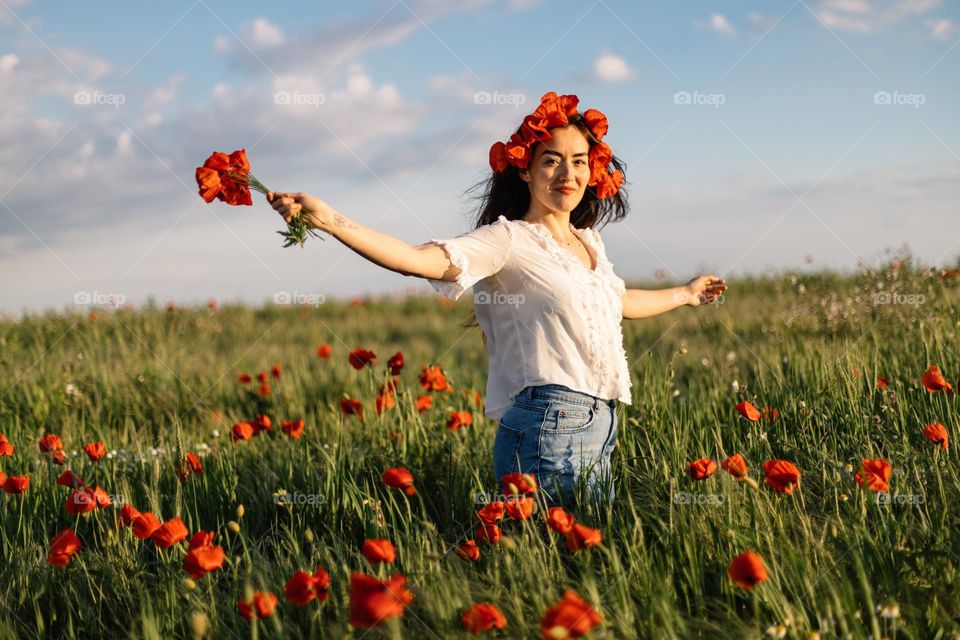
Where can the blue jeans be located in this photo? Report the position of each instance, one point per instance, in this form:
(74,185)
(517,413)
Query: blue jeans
(562,437)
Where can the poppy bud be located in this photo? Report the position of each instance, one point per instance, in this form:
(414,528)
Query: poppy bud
(233,526)
(188,583)
(199,624)
(240,511)
(308,536)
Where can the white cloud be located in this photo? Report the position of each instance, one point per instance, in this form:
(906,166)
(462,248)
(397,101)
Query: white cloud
(6,14)
(610,67)
(870,16)
(941,29)
(8,62)
(719,24)
(264,35)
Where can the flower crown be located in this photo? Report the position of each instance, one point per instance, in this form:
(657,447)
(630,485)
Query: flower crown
(555,111)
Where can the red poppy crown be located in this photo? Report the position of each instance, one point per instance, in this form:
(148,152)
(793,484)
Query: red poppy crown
(555,111)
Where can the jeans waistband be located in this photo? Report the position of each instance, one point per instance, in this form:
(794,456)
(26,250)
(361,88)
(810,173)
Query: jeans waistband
(566,394)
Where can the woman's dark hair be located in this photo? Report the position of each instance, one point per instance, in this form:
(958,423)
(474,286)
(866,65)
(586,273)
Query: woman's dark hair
(508,194)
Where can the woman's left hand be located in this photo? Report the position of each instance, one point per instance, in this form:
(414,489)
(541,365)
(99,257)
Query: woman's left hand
(704,290)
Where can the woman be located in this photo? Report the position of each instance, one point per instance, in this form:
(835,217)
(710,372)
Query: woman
(546,297)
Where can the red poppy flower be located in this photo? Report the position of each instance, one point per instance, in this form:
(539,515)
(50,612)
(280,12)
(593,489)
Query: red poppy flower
(937,434)
(262,377)
(934,381)
(69,479)
(379,550)
(190,464)
(261,606)
(424,403)
(581,537)
(781,476)
(226,178)
(373,601)
(202,555)
(459,419)
(302,587)
(241,431)
(244,378)
(488,532)
(747,570)
(596,122)
(399,478)
(95,450)
(882,383)
(384,402)
(359,358)
(481,617)
(80,501)
(433,379)
(129,513)
(50,442)
(514,483)
(770,414)
(323,351)
(62,547)
(559,520)
(16,485)
(395,363)
(491,512)
(736,466)
(275,371)
(520,508)
(145,525)
(264,390)
(293,428)
(469,551)
(875,474)
(170,533)
(701,469)
(351,407)
(569,618)
(6,449)
(748,411)
(261,423)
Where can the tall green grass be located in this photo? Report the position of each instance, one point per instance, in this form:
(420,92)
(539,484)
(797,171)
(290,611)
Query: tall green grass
(148,379)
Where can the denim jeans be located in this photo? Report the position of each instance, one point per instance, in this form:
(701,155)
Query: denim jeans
(562,437)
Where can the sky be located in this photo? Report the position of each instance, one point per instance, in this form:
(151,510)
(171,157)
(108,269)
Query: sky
(759,137)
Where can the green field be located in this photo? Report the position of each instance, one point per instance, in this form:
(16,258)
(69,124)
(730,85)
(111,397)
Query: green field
(153,384)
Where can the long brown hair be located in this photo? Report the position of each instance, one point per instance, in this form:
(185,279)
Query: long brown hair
(508,194)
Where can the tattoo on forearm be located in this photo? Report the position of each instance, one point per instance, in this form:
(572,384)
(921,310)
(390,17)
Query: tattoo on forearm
(342,223)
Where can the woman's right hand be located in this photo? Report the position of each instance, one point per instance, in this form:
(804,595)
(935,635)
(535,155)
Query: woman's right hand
(315,212)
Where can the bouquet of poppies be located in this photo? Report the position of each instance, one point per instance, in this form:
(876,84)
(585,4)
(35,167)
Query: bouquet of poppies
(228,178)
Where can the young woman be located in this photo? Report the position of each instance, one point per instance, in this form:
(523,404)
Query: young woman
(545,295)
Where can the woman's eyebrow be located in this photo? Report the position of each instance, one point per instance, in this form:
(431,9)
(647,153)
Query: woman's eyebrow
(560,155)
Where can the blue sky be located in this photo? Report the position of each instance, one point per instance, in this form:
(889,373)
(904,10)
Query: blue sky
(821,128)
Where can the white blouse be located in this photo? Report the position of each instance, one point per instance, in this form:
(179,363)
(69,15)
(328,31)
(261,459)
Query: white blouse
(547,318)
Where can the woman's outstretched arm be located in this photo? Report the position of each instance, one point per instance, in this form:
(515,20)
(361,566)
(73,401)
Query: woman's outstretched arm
(643,303)
(424,261)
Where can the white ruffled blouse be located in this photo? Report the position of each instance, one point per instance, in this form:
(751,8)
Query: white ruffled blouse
(547,318)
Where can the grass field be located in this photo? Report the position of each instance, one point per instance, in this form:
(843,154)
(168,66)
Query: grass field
(153,384)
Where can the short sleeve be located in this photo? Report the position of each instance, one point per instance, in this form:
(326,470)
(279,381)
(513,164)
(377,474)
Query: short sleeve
(478,254)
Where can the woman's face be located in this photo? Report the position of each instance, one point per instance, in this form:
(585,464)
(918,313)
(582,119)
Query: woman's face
(559,170)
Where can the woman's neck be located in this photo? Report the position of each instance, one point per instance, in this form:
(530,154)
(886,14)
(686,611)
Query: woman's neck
(556,222)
